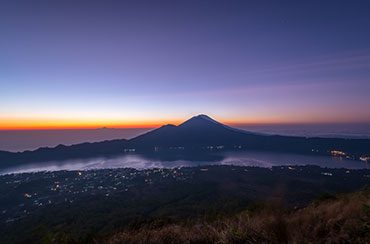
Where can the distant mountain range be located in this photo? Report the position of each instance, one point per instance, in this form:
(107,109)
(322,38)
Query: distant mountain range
(196,136)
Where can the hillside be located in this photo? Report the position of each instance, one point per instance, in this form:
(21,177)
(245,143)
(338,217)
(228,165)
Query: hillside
(329,219)
(83,206)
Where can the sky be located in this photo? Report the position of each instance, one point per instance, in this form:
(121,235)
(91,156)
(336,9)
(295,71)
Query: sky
(124,64)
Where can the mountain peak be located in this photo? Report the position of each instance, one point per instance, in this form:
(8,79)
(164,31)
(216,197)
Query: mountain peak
(200,120)
(168,126)
(203,121)
(207,118)
(203,116)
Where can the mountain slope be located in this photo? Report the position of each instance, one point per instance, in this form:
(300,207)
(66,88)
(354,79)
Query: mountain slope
(197,131)
(201,131)
(336,219)
(61,152)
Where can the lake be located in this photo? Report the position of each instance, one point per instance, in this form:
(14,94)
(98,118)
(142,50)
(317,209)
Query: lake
(245,158)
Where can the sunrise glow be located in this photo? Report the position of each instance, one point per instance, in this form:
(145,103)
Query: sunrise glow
(118,72)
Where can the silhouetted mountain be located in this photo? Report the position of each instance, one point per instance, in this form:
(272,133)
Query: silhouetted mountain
(195,136)
(203,121)
(201,132)
(197,131)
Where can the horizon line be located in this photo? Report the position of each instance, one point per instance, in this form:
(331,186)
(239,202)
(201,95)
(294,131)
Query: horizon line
(157,125)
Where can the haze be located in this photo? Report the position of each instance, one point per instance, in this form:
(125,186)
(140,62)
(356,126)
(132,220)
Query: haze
(247,158)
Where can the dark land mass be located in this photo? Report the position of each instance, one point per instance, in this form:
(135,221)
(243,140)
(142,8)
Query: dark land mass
(86,206)
(343,218)
(192,140)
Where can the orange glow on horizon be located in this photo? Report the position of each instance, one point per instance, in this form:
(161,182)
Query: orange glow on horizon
(73,124)
(74,127)
(60,124)
(77,126)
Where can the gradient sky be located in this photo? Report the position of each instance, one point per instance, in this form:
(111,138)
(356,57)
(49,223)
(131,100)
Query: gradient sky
(83,64)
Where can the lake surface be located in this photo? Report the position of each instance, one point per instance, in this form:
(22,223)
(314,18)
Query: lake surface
(246,158)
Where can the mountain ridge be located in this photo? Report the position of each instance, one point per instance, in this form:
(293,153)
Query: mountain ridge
(194,136)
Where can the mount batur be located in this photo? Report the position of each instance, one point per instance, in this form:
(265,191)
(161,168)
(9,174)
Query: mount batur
(193,139)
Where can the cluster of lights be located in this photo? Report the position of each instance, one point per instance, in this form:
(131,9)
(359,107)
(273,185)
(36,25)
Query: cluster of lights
(337,153)
(365,158)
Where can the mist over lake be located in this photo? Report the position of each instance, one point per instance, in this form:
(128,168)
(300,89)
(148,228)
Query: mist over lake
(246,158)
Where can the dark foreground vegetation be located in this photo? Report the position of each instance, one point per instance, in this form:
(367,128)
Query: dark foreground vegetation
(208,204)
(329,219)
